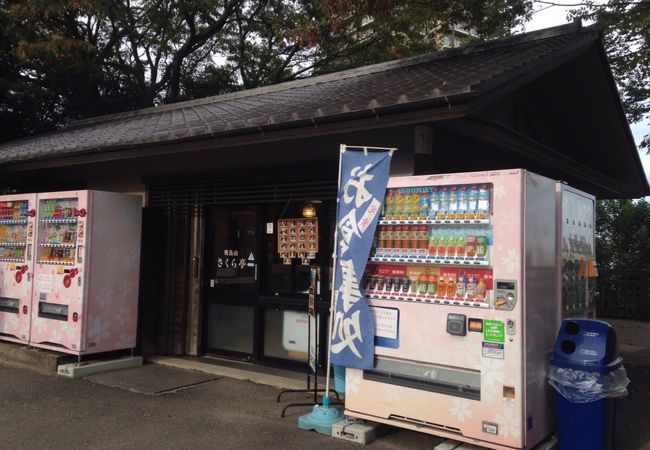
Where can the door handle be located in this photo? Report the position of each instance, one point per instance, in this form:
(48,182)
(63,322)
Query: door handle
(195,266)
(255,272)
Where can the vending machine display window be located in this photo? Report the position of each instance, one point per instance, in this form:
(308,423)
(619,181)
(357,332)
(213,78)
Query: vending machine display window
(432,245)
(57,231)
(13,231)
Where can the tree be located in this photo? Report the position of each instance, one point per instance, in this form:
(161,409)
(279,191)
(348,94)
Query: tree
(70,59)
(626,26)
(623,234)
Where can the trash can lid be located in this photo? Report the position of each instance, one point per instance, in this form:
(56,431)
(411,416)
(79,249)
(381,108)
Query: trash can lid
(588,345)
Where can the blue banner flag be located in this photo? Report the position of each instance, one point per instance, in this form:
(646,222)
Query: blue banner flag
(362,186)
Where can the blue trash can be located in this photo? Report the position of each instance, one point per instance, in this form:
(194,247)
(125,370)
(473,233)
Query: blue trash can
(587,374)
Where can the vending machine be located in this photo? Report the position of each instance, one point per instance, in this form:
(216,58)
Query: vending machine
(576,251)
(463,282)
(17,218)
(86,274)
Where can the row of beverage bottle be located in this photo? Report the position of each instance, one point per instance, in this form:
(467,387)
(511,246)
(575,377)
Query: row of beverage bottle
(60,234)
(464,202)
(13,210)
(58,209)
(428,284)
(12,253)
(59,255)
(12,233)
(420,241)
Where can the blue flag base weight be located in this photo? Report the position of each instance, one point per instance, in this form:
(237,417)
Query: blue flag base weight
(321,418)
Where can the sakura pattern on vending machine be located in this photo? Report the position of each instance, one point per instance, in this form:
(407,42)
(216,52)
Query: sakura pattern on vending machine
(85,296)
(464,329)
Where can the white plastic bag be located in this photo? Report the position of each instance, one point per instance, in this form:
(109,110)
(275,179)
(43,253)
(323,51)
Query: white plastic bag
(579,386)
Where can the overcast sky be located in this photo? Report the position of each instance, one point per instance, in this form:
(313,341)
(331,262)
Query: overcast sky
(550,16)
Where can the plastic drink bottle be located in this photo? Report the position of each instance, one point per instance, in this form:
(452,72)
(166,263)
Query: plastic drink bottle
(433,285)
(472,202)
(461,245)
(471,287)
(451,246)
(481,289)
(460,285)
(442,287)
(451,287)
(399,204)
(424,198)
(389,204)
(434,203)
(433,244)
(443,212)
(463,199)
(424,282)
(483,201)
(453,204)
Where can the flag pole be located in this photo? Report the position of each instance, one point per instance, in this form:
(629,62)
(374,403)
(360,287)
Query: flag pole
(342,150)
(323,417)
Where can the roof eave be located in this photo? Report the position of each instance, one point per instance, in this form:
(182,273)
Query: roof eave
(428,110)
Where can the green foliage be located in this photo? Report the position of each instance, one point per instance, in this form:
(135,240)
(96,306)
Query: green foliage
(70,59)
(626,26)
(623,234)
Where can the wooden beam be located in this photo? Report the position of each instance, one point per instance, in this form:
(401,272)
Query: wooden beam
(557,162)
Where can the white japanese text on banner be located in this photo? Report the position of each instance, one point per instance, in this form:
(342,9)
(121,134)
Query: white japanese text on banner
(362,186)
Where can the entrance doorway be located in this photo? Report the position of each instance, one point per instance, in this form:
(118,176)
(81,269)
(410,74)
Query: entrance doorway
(232,283)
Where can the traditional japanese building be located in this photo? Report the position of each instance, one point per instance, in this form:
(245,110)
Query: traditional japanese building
(217,174)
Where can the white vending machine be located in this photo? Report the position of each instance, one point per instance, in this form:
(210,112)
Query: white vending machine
(463,285)
(17,219)
(87,271)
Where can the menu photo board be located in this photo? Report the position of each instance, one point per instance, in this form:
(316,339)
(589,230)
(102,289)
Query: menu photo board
(297,238)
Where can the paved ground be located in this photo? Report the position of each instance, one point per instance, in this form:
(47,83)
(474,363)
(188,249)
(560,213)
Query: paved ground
(47,411)
(38,410)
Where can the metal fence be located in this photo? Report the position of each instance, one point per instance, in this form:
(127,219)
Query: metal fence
(623,294)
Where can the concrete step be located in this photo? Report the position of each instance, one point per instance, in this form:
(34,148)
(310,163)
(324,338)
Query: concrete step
(44,360)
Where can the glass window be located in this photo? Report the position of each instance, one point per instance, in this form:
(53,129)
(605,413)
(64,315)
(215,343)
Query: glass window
(233,244)
(231,328)
(286,334)
(287,248)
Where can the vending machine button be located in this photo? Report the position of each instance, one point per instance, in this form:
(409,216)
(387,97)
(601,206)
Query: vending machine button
(67,281)
(457,324)
(19,277)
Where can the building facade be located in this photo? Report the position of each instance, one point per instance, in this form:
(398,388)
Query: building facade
(218,174)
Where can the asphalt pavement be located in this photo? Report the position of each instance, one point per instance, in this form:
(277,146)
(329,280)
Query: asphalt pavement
(40,410)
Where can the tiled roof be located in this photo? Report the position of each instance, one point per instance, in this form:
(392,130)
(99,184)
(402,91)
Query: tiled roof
(403,83)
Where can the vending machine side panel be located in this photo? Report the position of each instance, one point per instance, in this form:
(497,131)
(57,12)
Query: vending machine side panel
(16,265)
(541,305)
(58,296)
(113,271)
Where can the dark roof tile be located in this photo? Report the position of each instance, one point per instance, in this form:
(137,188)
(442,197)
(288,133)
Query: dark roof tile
(475,68)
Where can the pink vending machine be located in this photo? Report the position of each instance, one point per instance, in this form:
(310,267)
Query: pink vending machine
(16,265)
(85,294)
(462,283)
